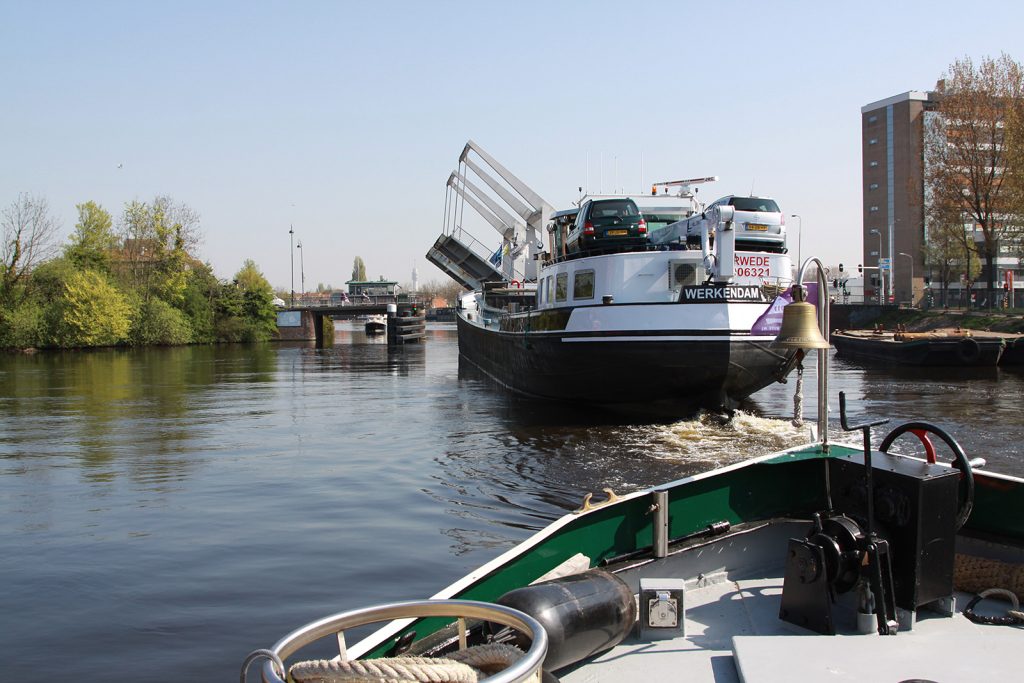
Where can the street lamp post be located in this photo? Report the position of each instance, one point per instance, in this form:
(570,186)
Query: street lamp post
(881,273)
(799,237)
(969,237)
(291,252)
(911,275)
(302,269)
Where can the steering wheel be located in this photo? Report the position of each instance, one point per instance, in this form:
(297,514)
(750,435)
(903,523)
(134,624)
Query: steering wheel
(922,430)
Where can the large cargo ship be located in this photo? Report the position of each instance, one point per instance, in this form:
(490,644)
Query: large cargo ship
(636,324)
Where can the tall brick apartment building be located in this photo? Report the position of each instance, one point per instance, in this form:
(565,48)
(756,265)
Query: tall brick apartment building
(892,152)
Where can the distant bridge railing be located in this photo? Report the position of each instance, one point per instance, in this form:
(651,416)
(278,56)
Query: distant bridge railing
(308,301)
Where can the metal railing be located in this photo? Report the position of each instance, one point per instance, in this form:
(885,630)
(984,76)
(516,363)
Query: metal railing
(526,669)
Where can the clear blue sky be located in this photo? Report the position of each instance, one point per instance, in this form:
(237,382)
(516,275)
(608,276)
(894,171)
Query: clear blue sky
(345,119)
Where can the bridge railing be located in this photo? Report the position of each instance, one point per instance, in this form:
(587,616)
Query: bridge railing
(359,300)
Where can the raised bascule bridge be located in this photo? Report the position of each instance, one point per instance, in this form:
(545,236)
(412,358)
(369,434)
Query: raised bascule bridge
(406,320)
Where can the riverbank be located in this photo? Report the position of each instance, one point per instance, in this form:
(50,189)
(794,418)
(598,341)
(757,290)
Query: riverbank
(924,321)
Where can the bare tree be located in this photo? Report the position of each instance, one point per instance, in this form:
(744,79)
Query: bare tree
(947,252)
(965,152)
(157,241)
(29,233)
(185,220)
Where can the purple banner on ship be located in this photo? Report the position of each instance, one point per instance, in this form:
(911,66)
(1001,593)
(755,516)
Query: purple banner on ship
(770,322)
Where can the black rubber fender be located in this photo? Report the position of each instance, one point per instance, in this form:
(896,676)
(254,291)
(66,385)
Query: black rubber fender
(968,350)
(583,614)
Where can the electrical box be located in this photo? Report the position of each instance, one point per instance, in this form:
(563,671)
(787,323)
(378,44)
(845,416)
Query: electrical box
(915,506)
(662,610)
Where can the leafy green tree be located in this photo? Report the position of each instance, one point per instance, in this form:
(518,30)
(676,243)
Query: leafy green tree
(358,269)
(245,308)
(49,278)
(90,312)
(22,326)
(159,323)
(199,302)
(94,239)
(230,321)
(258,298)
(155,244)
(30,322)
(249,277)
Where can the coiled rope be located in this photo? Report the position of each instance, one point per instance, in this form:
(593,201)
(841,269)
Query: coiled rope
(978,574)
(390,670)
(1013,616)
(463,666)
(974,574)
(488,659)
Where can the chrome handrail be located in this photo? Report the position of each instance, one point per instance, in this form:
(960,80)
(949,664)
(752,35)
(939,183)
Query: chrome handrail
(526,669)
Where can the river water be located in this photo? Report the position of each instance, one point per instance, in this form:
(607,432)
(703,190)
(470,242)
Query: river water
(166,511)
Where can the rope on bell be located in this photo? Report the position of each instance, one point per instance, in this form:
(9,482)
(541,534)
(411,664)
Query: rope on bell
(798,396)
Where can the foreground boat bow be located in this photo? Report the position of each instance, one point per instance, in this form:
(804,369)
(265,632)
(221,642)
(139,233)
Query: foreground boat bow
(728,566)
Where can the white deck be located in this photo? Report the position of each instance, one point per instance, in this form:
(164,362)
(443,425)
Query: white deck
(734,634)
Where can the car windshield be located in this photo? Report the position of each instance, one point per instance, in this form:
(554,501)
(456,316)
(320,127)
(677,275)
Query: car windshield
(656,221)
(754,204)
(614,208)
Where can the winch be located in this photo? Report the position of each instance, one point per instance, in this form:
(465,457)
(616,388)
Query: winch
(888,530)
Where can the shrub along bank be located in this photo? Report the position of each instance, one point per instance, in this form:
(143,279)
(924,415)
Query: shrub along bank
(139,286)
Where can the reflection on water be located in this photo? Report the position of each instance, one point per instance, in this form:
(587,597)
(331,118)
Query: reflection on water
(130,412)
(182,506)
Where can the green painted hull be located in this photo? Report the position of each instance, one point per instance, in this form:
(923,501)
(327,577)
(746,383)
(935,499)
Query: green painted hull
(779,486)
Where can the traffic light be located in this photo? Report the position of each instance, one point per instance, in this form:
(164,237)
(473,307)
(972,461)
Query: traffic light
(860,269)
(840,267)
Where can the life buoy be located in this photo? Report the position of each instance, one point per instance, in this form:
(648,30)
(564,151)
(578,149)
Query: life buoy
(515,283)
(968,350)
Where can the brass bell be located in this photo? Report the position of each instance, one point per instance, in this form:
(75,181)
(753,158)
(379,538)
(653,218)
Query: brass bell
(799,329)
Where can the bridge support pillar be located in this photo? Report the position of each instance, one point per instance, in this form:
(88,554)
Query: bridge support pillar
(407,324)
(323,327)
(295,325)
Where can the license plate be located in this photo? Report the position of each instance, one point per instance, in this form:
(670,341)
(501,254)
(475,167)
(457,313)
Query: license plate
(757,227)
(617,233)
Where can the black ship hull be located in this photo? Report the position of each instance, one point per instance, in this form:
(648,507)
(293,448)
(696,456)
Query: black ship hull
(657,376)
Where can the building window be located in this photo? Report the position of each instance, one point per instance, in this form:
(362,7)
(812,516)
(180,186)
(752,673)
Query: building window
(873,209)
(873,186)
(561,286)
(872,119)
(873,141)
(873,163)
(583,285)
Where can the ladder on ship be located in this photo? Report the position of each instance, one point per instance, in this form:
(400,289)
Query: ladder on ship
(518,213)
(465,266)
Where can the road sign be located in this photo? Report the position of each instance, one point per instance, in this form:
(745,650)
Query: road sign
(885,263)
